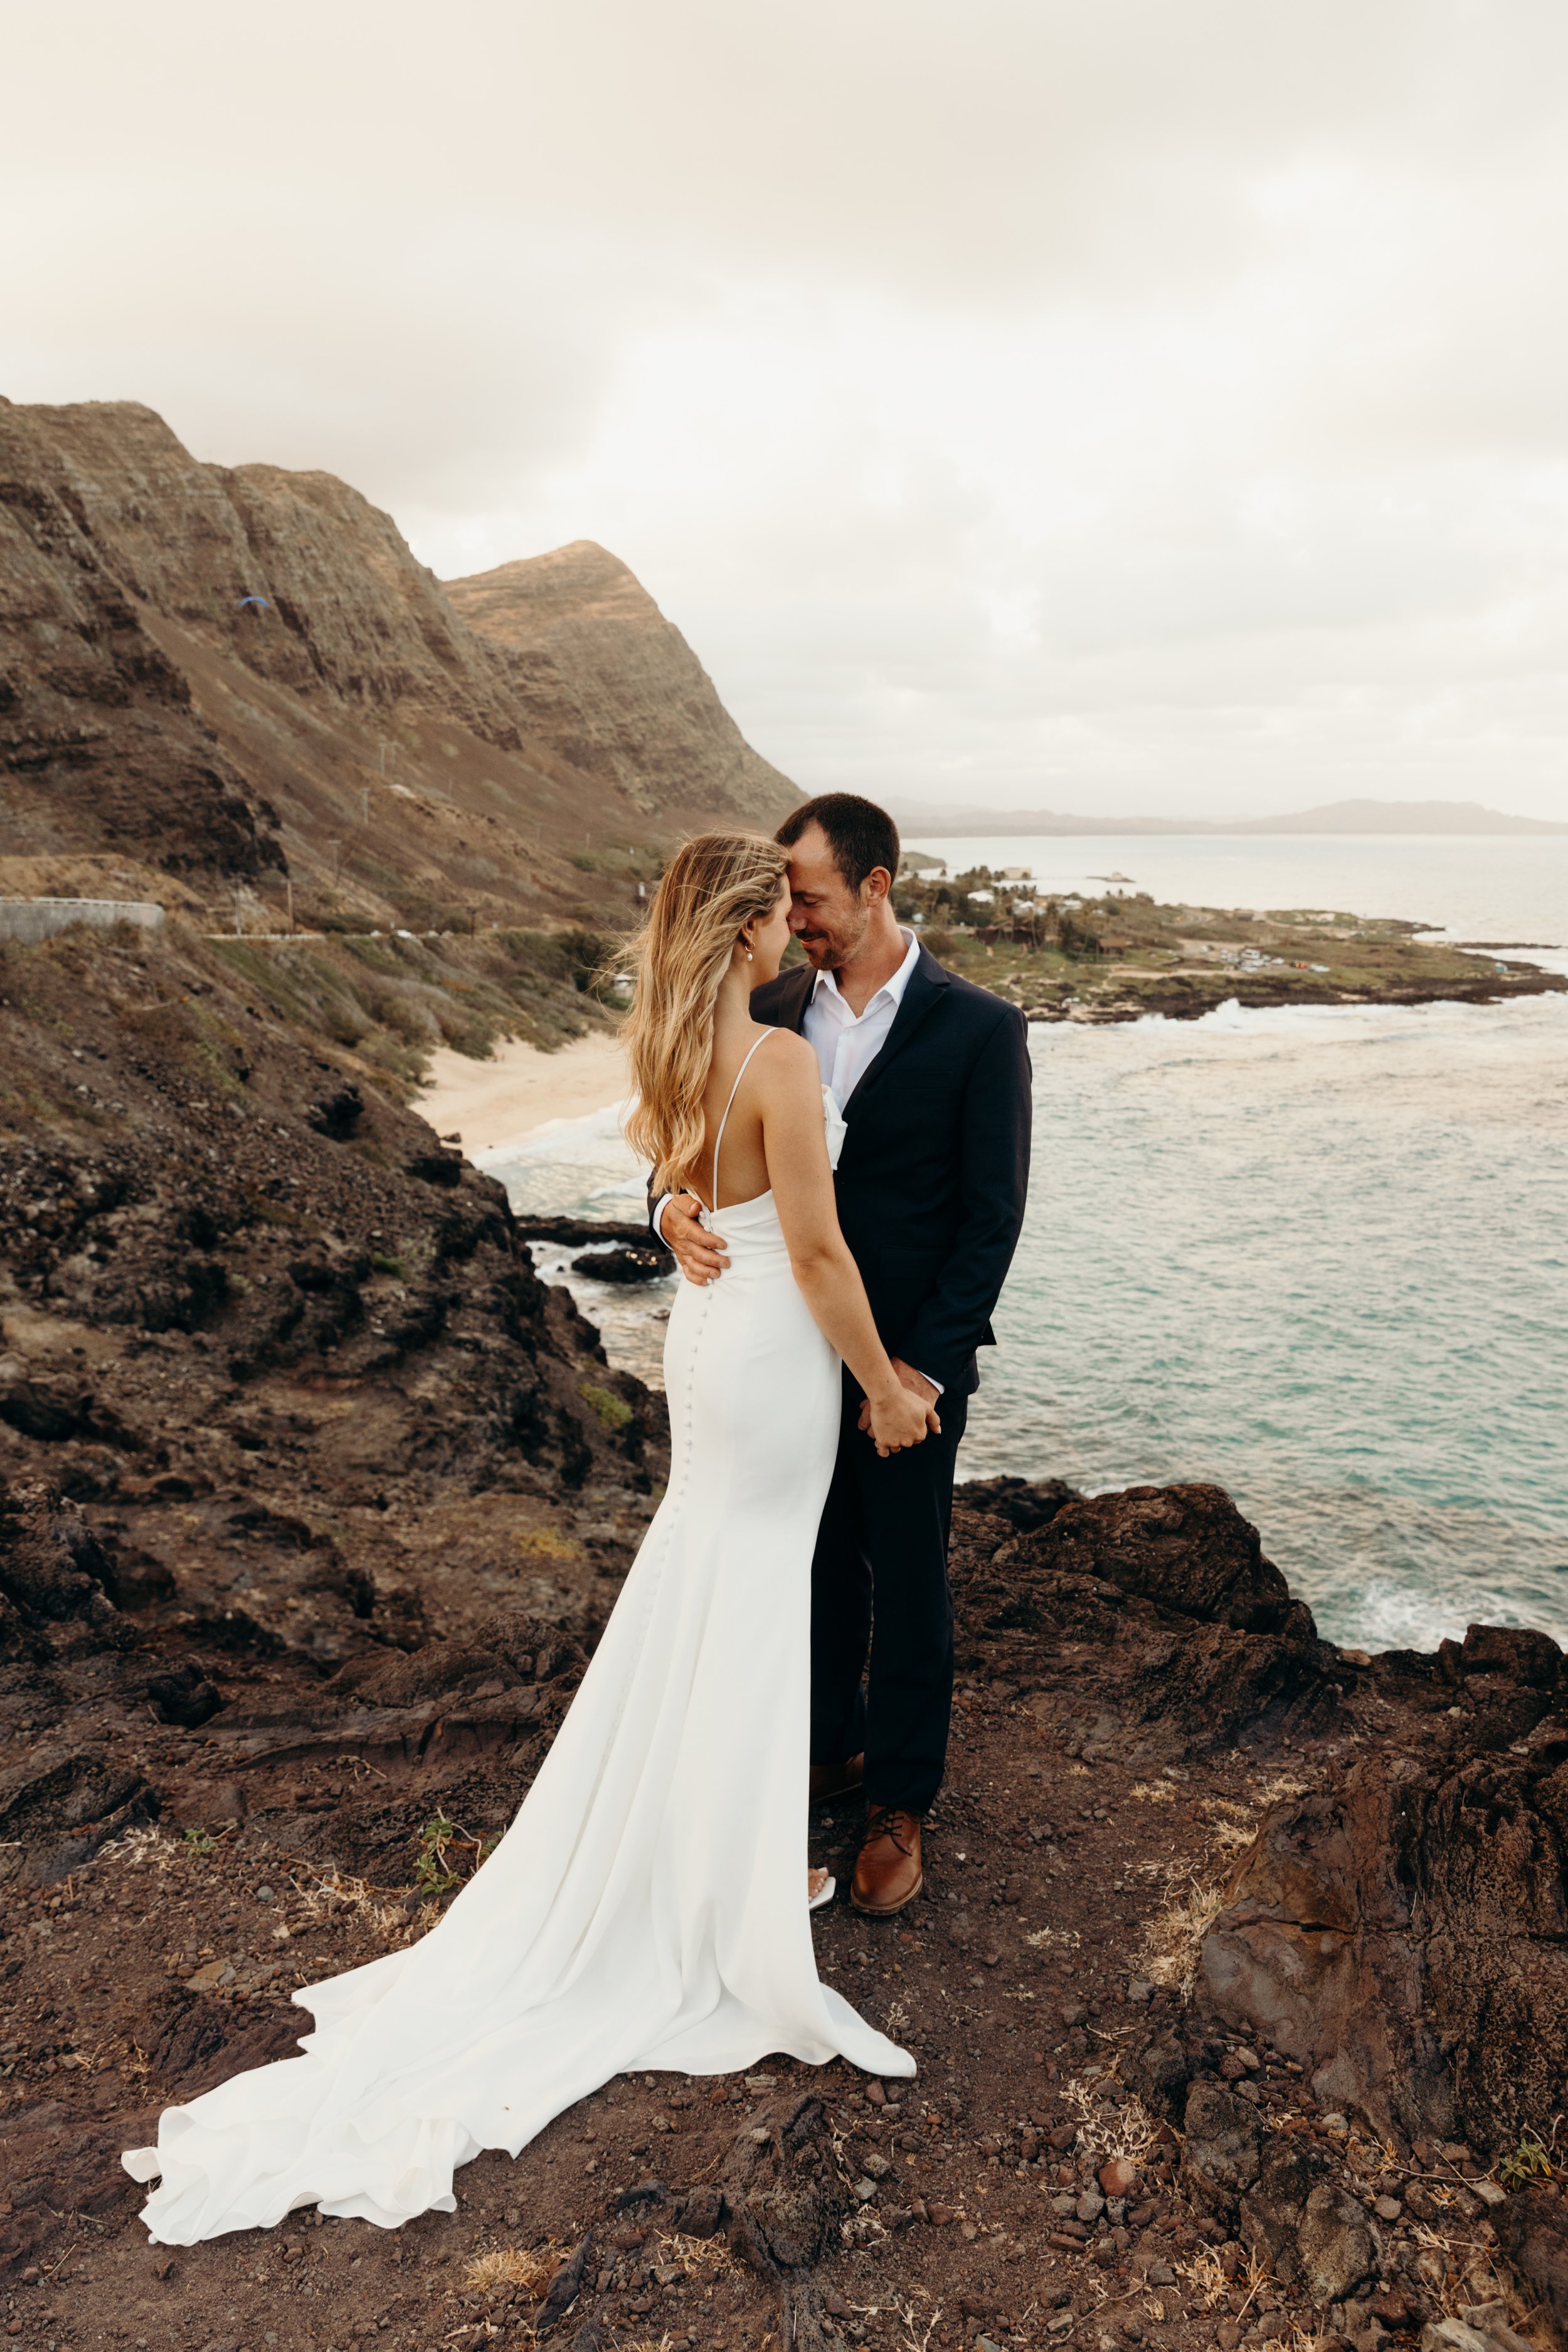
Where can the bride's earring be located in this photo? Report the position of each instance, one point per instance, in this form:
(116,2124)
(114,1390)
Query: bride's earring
(749,957)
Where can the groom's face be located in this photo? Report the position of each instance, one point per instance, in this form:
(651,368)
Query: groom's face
(826,915)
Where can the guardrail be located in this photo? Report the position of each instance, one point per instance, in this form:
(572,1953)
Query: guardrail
(31,919)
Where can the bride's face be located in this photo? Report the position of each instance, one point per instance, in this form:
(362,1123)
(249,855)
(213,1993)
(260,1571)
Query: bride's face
(769,939)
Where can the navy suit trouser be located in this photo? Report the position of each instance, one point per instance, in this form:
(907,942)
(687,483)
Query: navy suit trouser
(882,1610)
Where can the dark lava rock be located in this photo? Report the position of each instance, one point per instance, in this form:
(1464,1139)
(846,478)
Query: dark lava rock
(784,2189)
(1025,1504)
(1196,1632)
(197,2042)
(1188,1548)
(62,1806)
(1157,2072)
(437,1167)
(623,1264)
(337,1115)
(184,1696)
(1305,2227)
(1532,2230)
(1220,2159)
(563,2289)
(52,1568)
(581,1231)
(1405,1935)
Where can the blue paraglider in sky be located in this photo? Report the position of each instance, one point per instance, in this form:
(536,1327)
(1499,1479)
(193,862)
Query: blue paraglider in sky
(255,600)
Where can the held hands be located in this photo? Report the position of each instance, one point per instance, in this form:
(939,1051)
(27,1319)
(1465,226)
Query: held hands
(699,1254)
(903,1417)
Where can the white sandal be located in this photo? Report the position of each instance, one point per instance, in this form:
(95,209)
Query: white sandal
(825,1893)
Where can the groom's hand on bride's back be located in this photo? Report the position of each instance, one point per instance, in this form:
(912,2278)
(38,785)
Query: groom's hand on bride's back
(699,1254)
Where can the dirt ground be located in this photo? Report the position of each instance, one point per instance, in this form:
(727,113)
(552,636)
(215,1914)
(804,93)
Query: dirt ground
(1060,1916)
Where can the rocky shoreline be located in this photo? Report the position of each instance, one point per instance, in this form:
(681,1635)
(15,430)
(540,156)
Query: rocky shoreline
(1236,1989)
(1121,957)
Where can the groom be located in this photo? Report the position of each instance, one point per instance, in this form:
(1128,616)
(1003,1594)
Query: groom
(932,1076)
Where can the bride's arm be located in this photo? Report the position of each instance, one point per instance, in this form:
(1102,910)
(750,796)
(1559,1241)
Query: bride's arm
(829,1280)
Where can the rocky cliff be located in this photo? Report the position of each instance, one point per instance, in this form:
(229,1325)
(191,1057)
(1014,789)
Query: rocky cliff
(1233,1991)
(234,673)
(589,653)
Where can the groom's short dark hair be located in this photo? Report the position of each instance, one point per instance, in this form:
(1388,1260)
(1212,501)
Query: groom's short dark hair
(859,833)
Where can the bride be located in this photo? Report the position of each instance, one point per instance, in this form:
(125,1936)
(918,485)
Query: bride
(646,1909)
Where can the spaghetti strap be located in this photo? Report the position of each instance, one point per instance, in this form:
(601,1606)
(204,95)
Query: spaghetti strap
(719,1138)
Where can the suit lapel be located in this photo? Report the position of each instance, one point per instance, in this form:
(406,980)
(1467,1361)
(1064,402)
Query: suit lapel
(927,985)
(786,998)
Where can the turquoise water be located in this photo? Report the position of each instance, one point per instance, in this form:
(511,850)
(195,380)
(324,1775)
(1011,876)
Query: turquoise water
(1319,1256)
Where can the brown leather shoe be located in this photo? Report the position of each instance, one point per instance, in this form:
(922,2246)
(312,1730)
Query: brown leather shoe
(887,1872)
(836,1780)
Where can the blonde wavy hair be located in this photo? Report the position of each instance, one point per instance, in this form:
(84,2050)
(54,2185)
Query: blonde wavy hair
(711,889)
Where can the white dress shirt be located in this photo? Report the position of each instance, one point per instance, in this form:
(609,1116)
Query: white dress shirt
(846,1043)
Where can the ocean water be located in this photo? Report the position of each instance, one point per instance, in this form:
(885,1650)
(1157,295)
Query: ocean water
(1317,1256)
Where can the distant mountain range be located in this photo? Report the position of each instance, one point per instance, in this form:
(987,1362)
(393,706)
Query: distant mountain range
(1334,817)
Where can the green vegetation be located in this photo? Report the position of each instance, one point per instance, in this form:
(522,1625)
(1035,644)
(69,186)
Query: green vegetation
(1531,2161)
(441,1843)
(431,1875)
(612,1410)
(392,998)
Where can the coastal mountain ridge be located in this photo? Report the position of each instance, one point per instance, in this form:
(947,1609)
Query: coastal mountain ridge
(587,652)
(1348,817)
(242,676)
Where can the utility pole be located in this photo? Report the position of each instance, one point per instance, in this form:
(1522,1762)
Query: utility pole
(289,886)
(384,755)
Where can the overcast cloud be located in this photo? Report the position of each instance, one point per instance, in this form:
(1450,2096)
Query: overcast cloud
(1135,405)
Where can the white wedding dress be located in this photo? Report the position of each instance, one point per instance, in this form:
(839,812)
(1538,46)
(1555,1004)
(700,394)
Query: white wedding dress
(648,1908)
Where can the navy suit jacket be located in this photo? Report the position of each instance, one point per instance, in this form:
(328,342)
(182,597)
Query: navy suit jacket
(934,1171)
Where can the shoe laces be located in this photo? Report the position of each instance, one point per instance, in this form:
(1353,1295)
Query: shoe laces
(888,1822)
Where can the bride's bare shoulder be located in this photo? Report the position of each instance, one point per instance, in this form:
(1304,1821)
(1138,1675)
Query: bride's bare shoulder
(789,1064)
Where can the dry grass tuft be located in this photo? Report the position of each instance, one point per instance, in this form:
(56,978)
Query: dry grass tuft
(1118,2127)
(914,2328)
(1231,1826)
(1043,1938)
(1274,1790)
(334,1894)
(142,1849)
(530,2268)
(1195,1898)
(1203,2272)
(1153,1792)
(698,2258)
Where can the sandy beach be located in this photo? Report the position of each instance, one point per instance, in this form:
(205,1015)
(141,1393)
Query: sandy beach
(520,1089)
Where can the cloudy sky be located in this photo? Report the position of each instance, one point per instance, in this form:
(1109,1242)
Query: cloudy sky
(1121,406)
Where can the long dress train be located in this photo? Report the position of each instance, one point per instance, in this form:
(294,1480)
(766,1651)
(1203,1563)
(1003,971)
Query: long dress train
(648,1908)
